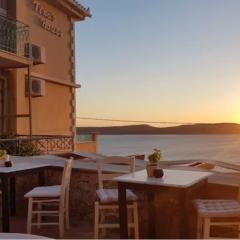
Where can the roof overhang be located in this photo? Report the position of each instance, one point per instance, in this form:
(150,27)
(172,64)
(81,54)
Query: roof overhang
(72,8)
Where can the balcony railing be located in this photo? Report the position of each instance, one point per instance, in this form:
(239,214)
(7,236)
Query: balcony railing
(23,145)
(13,36)
(84,138)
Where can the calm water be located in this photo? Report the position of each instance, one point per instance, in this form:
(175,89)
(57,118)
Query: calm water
(174,147)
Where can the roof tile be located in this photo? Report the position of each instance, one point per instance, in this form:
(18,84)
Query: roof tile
(86,10)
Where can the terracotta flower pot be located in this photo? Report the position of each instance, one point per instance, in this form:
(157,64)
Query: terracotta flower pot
(158,173)
(150,169)
(2,162)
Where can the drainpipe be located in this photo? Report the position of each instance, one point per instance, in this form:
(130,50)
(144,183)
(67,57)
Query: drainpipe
(4,97)
(29,101)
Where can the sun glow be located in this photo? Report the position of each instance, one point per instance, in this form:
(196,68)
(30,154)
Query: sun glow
(237,118)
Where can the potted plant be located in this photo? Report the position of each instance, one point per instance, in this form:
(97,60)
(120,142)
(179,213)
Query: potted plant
(154,159)
(3,157)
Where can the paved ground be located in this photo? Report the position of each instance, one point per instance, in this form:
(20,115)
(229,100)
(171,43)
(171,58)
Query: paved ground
(79,229)
(84,230)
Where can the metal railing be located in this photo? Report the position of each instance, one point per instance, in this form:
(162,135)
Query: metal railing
(25,146)
(84,138)
(14,36)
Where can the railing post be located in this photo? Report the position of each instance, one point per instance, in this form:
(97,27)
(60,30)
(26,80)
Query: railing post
(95,140)
(95,137)
(73,143)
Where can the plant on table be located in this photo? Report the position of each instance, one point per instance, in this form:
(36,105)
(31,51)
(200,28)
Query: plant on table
(3,154)
(3,157)
(154,159)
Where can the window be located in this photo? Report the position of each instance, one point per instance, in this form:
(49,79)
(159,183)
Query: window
(3,6)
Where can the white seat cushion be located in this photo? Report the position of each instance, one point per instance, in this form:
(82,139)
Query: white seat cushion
(44,191)
(111,195)
(218,208)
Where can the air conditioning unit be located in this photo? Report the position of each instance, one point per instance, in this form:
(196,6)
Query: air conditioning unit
(36,53)
(38,87)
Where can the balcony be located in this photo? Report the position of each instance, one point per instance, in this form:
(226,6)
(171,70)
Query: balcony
(25,145)
(52,144)
(14,36)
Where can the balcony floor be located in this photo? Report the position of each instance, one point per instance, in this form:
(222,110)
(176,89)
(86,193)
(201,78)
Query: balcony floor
(11,60)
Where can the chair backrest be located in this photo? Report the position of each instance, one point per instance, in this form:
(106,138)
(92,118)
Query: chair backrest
(107,176)
(66,176)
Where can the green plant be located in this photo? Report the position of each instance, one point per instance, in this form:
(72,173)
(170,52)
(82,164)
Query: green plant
(3,154)
(27,148)
(7,136)
(155,157)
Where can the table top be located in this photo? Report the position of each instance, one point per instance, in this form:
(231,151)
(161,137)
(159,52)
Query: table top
(20,236)
(22,166)
(171,178)
(27,163)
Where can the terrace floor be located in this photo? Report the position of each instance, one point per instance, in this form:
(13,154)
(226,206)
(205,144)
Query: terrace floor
(79,229)
(84,230)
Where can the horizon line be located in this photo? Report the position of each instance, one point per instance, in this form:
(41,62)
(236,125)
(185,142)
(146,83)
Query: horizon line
(184,124)
(149,122)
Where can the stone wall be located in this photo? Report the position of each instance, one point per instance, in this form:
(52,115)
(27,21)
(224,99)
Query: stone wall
(82,191)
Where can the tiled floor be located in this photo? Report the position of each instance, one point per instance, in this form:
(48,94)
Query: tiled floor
(78,230)
(84,230)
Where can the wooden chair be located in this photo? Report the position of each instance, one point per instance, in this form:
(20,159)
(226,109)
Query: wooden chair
(41,198)
(217,212)
(108,198)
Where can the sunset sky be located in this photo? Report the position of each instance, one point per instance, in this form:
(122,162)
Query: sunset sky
(159,60)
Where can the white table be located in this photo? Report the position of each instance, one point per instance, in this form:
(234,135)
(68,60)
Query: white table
(7,176)
(178,179)
(20,236)
(36,165)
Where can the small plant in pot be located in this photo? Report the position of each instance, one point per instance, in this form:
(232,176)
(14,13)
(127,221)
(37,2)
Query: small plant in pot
(154,159)
(3,157)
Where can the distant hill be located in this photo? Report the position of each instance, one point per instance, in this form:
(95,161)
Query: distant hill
(217,128)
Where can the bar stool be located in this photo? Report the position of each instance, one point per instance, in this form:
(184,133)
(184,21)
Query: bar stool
(217,212)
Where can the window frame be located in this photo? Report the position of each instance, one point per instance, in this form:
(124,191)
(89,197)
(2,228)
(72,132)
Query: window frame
(3,7)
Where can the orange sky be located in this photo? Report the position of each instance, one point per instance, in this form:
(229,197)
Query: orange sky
(180,62)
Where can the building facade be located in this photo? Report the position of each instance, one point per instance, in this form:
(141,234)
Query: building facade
(37,66)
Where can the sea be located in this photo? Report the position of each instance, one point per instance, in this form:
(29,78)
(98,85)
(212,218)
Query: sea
(174,147)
